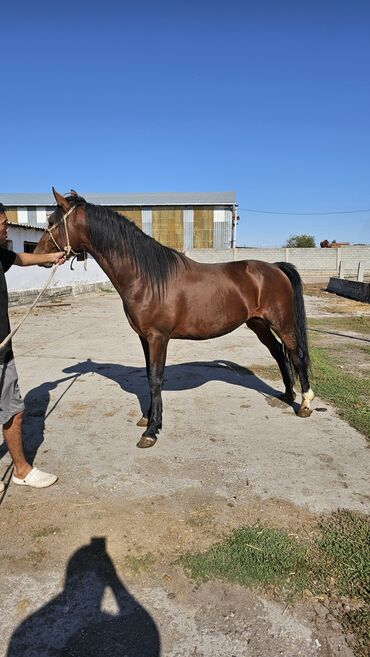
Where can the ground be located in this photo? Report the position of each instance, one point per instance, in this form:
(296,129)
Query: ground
(91,566)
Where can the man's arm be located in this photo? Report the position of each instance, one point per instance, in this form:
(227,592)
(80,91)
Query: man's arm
(26,259)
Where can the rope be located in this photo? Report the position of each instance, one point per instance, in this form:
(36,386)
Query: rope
(9,337)
(68,250)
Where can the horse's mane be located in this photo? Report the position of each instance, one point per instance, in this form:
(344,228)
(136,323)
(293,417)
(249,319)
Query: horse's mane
(113,234)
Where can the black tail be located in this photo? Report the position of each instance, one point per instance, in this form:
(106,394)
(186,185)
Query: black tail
(300,328)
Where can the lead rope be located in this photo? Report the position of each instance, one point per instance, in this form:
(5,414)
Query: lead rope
(68,249)
(9,337)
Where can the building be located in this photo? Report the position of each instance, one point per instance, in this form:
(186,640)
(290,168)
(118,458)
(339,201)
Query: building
(181,220)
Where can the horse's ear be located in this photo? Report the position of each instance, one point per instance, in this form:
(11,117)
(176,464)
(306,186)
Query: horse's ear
(61,201)
(74,193)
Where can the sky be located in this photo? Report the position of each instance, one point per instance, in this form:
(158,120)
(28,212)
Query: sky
(266,98)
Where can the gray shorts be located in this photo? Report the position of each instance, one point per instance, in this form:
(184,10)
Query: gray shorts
(11,401)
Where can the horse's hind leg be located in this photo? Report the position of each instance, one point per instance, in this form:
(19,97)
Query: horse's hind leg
(301,367)
(265,335)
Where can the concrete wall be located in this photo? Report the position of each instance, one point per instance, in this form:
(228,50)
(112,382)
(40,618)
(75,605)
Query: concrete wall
(34,278)
(25,282)
(313,264)
(350,289)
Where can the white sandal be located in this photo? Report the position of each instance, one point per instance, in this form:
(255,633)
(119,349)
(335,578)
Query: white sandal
(36,479)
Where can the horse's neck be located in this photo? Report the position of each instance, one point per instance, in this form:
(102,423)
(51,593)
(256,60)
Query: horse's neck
(118,269)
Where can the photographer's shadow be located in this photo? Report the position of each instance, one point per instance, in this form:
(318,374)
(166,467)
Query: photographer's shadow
(73,624)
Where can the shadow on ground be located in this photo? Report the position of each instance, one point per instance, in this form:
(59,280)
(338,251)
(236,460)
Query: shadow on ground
(184,376)
(73,624)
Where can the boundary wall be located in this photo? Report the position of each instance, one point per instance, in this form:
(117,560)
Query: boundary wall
(314,264)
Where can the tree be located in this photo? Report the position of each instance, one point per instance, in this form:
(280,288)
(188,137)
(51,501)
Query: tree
(299,241)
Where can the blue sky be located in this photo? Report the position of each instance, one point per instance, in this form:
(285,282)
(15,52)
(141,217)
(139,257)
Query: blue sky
(270,99)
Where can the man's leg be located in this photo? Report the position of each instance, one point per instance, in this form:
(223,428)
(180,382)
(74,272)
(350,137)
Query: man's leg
(12,432)
(24,474)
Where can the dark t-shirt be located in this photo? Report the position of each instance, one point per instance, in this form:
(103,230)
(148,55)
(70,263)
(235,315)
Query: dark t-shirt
(6,260)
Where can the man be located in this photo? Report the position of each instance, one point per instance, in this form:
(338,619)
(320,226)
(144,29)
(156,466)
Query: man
(11,402)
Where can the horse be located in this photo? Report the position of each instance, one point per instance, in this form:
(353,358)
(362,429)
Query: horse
(166,295)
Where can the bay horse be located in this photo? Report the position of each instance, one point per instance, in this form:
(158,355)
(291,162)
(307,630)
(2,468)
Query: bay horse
(167,295)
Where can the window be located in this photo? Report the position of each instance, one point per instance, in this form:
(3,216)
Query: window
(29,247)
(9,245)
(31,216)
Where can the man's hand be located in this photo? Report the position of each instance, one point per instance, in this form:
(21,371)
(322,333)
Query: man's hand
(58,258)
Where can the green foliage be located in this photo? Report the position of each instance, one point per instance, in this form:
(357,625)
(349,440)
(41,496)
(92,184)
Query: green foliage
(356,323)
(347,392)
(344,572)
(345,547)
(333,565)
(300,241)
(253,556)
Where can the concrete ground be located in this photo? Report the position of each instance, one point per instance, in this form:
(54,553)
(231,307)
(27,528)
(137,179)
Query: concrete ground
(89,566)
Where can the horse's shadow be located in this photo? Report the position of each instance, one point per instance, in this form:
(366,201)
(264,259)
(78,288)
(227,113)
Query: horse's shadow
(183,376)
(133,380)
(74,624)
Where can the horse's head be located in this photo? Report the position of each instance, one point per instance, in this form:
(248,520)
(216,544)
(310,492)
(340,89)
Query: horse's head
(64,226)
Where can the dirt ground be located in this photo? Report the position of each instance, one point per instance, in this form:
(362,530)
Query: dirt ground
(90,566)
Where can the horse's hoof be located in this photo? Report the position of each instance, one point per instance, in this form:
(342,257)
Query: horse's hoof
(143,422)
(146,441)
(304,412)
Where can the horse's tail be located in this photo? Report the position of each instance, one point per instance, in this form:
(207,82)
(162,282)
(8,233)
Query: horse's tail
(300,327)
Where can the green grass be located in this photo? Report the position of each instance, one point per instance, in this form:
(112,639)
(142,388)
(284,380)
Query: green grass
(345,548)
(254,556)
(334,563)
(343,572)
(346,391)
(357,324)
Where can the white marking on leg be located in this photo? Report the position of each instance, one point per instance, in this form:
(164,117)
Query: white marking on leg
(307,397)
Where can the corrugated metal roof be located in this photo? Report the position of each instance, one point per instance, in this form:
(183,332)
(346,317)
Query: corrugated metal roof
(146,199)
(12,224)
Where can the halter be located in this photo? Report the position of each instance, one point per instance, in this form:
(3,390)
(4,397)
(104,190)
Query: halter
(68,249)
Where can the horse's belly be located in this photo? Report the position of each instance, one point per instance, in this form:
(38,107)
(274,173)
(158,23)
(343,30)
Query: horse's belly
(209,322)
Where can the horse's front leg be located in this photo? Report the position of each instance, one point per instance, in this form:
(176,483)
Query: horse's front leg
(143,422)
(157,360)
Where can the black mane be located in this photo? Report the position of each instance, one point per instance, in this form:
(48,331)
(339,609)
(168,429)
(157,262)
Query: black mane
(113,234)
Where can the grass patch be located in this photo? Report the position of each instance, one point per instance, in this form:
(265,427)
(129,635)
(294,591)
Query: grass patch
(333,562)
(270,372)
(345,548)
(253,556)
(357,323)
(344,572)
(139,564)
(49,530)
(346,391)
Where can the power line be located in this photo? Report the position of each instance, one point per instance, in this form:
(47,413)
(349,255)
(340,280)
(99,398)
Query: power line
(305,214)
